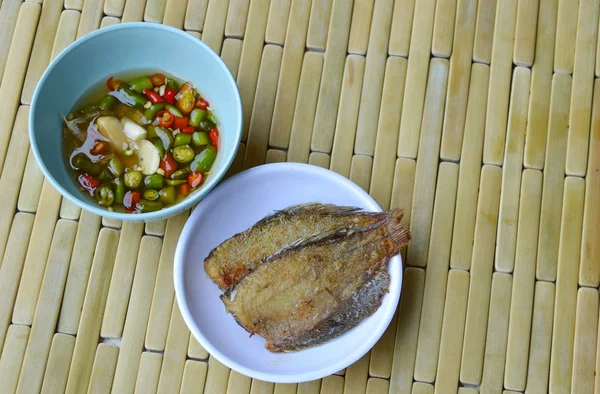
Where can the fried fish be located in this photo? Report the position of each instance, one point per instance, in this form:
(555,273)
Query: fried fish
(320,287)
(242,253)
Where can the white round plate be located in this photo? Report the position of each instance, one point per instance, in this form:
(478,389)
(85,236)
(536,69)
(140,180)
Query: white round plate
(234,206)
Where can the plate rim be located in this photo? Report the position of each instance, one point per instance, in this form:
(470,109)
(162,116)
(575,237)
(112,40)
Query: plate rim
(178,266)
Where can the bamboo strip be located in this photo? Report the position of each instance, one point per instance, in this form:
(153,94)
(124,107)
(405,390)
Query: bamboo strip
(511,171)
(134,11)
(554,172)
(581,94)
(356,376)
(566,32)
(370,100)
(430,328)
(156,228)
(42,47)
(109,21)
(14,73)
(458,82)
(79,272)
(175,13)
(409,314)
(499,91)
(305,108)
(113,223)
(345,129)
(331,83)
(402,191)
(453,327)
(538,367)
(312,387)
(155,10)
(195,350)
(132,342)
(331,385)
(114,7)
(283,388)
(289,77)
(147,376)
(37,253)
(12,267)
(422,388)
(527,19)
(95,299)
(74,4)
(46,314)
(250,60)
(360,171)
(566,286)
(426,170)
(91,15)
(216,377)
(484,32)
(465,390)
(238,161)
(258,135)
(175,353)
(238,383)
(387,131)
(59,362)
(277,22)
(589,272)
(232,50)
(495,344)
(377,386)
(360,27)
(195,14)
(416,79)
(470,169)
(214,24)
(275,156)
(320,15)
(402,21)
(194,377)
(66,31)
(8,21)
(31,186)
(260,387)
(103,370)
(586,332)
(443,28)
(237,15)
(69,210)
(162,297)
(319,159)
(12,356)
(382,354)
(121,280)
(12,174)
(481,275)
(519,329)
(541,83)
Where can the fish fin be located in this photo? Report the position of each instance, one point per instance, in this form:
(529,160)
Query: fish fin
(313,207)
(398,234)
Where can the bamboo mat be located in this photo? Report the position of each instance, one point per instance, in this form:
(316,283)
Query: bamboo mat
(480,117)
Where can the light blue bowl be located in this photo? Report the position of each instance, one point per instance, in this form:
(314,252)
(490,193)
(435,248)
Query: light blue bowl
(126,48)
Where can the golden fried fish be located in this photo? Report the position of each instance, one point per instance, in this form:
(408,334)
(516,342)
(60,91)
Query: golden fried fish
(320,287)
(240,254)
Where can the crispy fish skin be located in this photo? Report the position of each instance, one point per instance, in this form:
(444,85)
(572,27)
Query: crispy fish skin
(236,257)
(320,288)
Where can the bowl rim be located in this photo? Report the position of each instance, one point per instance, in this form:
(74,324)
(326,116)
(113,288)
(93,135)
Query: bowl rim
(166,212)
(360,350)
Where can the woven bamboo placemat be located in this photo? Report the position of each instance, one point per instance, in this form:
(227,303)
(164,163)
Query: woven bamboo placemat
(480,117)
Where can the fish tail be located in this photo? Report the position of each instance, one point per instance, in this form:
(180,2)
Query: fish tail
(397,233)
